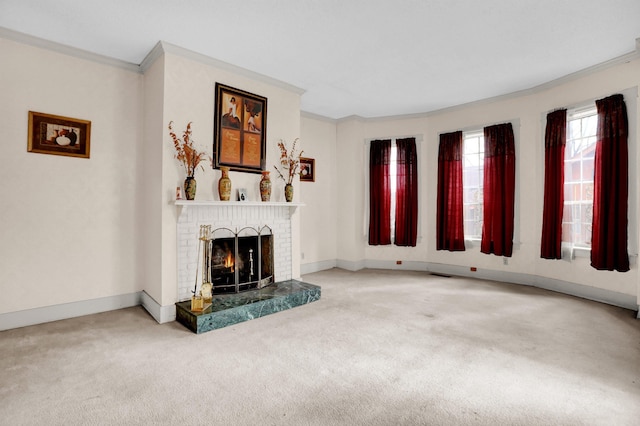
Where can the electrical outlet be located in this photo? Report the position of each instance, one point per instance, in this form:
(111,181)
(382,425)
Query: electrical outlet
(505,260)
(398,262)
(473,269)
(302,255)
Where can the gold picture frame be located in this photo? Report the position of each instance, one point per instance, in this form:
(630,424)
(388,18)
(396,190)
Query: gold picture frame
(239,130)
(307,169)
(58,135)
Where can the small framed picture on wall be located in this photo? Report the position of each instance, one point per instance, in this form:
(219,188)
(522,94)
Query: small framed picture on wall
(307,169)
(57,135)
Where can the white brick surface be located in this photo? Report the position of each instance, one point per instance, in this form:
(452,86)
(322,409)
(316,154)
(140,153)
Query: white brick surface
(278,218)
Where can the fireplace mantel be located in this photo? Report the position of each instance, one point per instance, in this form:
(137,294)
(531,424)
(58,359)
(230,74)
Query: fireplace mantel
(184,204)
(236,203)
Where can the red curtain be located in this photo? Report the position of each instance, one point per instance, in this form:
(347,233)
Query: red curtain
(406,193)
(555,139)
(499,190)
(379,193)
(450,220)
(611,187)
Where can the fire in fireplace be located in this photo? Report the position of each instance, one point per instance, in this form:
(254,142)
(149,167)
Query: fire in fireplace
(237,261)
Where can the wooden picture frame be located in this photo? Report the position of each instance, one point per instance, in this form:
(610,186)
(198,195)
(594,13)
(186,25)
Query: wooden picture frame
(240,126)
(307,169)
(57,135)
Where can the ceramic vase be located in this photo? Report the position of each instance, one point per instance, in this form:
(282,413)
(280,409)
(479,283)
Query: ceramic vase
(265,186)
(288,192)
(224,185)
(190,188)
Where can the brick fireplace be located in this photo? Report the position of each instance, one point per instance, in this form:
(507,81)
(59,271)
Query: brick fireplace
(234,216)
(274,292)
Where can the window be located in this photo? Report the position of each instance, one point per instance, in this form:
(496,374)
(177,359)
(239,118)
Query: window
(393,192)
(473,182)
(489,157)
(578,177)
(393,176)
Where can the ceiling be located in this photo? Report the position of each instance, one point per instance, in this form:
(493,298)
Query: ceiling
(355,57)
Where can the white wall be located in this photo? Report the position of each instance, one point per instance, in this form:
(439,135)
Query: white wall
(150,183)
(350,195)
(531,111)
(527,112)
(68,230)
(319,216)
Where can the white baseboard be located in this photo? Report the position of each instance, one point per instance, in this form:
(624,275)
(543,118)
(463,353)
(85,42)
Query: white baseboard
(160,313)
(164,314)
(35,316)
(310,268)
(406,265)
(579,290)
(350,265)
(574,289)
(27,317)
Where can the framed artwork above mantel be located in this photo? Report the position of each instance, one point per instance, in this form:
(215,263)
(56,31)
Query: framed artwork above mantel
(240,126)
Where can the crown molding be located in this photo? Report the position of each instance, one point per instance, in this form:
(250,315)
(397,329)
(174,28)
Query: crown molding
(207,60)
(66,50)
(317,117)
(355,117)
(158,50)
(623,59)
(151,57)
(163,47)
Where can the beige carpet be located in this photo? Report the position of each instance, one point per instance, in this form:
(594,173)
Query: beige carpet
(379,348)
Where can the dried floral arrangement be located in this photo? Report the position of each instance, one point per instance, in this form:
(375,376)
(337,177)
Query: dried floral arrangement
(186,153)
(289,161)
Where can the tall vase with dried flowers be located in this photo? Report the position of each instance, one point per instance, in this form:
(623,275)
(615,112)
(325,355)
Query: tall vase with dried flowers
(190,158)
(290,163)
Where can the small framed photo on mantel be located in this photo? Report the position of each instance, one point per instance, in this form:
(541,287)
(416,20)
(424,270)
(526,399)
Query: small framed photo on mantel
(307,169)
(57,135)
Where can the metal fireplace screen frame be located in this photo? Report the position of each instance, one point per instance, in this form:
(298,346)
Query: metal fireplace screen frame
(239,261)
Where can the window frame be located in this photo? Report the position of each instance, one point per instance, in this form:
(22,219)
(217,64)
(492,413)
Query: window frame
(515,123)
(393,175)
(367,142)
(471,134)
(631,100)
(580,113)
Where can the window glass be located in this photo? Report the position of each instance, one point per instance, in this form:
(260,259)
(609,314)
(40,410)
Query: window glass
(473,182)
(578,177)
(393,172)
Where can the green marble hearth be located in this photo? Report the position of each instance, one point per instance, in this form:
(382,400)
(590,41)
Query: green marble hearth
(232,309)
